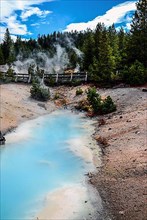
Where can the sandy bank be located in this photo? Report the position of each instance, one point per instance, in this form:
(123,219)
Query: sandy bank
(122,179)
(87,147)
(72,202)
(17,106)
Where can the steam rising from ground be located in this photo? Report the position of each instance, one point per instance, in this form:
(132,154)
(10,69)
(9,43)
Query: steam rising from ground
(72,46)
(45,61)
(55,64)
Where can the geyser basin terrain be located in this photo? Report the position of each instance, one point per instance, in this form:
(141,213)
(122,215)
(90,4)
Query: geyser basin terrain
(38,160)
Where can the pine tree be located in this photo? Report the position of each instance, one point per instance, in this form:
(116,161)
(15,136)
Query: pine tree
(103,61)
(18,45)
(94,71)
(114,44)
(138,38)
(88,49)
(122,44)
(106,62)
(98,38)
(8,48)
(1,56)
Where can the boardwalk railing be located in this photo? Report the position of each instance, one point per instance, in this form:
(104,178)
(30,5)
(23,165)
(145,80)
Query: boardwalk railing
(23,77)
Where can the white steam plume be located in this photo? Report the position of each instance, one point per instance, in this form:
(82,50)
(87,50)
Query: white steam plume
(56,64)
(44,61)
(72,46)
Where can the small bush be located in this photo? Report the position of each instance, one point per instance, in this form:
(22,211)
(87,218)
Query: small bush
(94,99)
(1,76)
(100,106)
(10,72)
(79,91)
(39,93)
(10,75)
(75,82)
(108,106)
(50,81)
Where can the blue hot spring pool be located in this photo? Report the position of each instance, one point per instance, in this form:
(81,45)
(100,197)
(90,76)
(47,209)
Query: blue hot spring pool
(37,161)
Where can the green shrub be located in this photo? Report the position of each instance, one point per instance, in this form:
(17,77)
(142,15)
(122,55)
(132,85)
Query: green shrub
(79,91)
(39,93)
(98,105)
(108,106)
(50,81)
(2,76)
(10,75)
(10,72)
(75,82)
(94,99)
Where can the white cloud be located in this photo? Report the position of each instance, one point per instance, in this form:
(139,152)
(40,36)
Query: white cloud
(40,23)
(35,24)
(34,11)
(116,14)
(45,22)
(9,17)
(15,26)
(8,7)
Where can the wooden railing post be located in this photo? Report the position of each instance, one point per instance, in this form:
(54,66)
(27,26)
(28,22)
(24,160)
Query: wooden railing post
(29,80)
(56,77)
(16,77)
(86,77)
(43,78)
(71,77)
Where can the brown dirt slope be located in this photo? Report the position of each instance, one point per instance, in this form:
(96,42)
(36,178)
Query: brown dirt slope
(16,106)
(122,180)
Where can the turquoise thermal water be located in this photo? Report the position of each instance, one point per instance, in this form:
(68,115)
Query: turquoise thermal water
(39,163)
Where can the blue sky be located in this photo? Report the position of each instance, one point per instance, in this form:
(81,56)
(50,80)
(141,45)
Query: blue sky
(28,18)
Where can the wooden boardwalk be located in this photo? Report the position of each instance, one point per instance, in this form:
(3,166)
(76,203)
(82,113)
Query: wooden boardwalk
(23,77)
